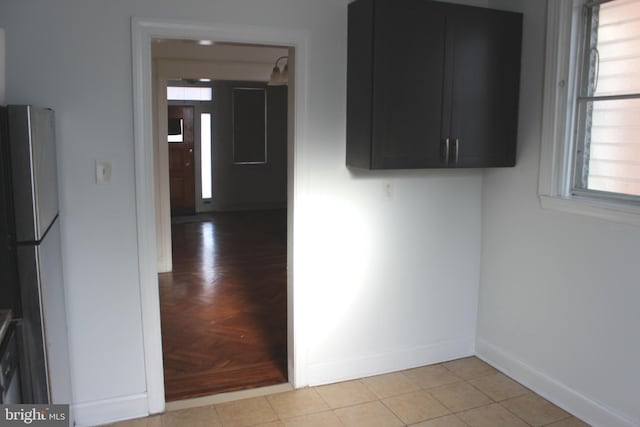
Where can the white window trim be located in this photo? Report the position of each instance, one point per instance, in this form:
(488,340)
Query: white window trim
(563,24)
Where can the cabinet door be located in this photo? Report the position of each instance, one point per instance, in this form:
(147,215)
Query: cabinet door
(484,47)
(409,43)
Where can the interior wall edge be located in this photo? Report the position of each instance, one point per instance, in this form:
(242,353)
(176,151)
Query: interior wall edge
(569,399)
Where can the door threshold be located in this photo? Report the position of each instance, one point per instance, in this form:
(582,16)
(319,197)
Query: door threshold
(227,397)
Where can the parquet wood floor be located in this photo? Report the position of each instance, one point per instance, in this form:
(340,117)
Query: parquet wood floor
(223,307)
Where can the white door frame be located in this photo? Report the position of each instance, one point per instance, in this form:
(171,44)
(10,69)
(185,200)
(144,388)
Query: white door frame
(143,31)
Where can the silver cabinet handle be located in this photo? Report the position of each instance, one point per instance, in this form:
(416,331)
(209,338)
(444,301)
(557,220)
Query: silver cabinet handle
(457,148)
(446,150)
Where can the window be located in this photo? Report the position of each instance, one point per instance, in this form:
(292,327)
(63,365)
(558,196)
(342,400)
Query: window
(590,154)
(183,93)
(607,159)
(176,130)
(206,173)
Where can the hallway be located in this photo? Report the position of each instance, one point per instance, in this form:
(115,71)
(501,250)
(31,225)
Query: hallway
(224,306)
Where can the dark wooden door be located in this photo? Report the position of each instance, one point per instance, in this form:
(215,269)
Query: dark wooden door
(408,84)
(181,161)
(484,59)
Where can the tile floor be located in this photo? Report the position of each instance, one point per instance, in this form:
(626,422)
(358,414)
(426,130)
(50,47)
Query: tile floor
(461,393)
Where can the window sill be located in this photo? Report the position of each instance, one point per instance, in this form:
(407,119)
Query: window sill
(616,212)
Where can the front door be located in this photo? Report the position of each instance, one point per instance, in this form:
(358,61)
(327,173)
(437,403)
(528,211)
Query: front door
(181,160)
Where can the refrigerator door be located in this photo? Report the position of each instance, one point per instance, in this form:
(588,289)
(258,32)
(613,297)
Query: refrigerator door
(33,155)
(35,382)
(45,324)
(9,289)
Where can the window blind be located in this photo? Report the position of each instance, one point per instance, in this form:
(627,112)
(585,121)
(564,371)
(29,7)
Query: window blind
(612,100)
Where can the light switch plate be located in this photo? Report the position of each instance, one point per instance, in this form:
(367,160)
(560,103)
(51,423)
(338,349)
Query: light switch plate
(103,172)
(388,190)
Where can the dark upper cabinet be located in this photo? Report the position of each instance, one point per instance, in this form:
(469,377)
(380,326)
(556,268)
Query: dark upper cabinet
(431,85)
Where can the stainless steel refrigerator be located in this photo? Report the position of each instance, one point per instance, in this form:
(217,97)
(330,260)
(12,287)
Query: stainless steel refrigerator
(32,282)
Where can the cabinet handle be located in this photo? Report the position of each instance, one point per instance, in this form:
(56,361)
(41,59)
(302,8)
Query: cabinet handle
(457,148)
(446,150)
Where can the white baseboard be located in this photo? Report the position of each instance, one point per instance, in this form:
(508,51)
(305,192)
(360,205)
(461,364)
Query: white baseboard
(234,207)
(111,410)
(583,407)
(344,370)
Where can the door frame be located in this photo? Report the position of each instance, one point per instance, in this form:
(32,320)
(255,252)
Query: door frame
(143,31)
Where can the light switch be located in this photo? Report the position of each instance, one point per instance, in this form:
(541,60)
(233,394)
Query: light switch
(388,190)
(103,172)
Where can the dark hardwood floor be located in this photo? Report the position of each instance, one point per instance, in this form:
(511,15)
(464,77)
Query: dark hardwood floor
(224,306)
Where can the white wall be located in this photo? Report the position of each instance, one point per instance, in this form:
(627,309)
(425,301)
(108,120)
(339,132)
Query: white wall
(559,292)
(389,261)
(393,280)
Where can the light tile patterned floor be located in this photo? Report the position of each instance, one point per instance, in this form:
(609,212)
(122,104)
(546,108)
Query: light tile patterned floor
(461,393)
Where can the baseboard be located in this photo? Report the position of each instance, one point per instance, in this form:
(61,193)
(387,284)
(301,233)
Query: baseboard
(583,407)
(111,410)
(234,207)
(344,370)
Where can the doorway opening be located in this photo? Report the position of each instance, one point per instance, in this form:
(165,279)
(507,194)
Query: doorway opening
(223,257)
